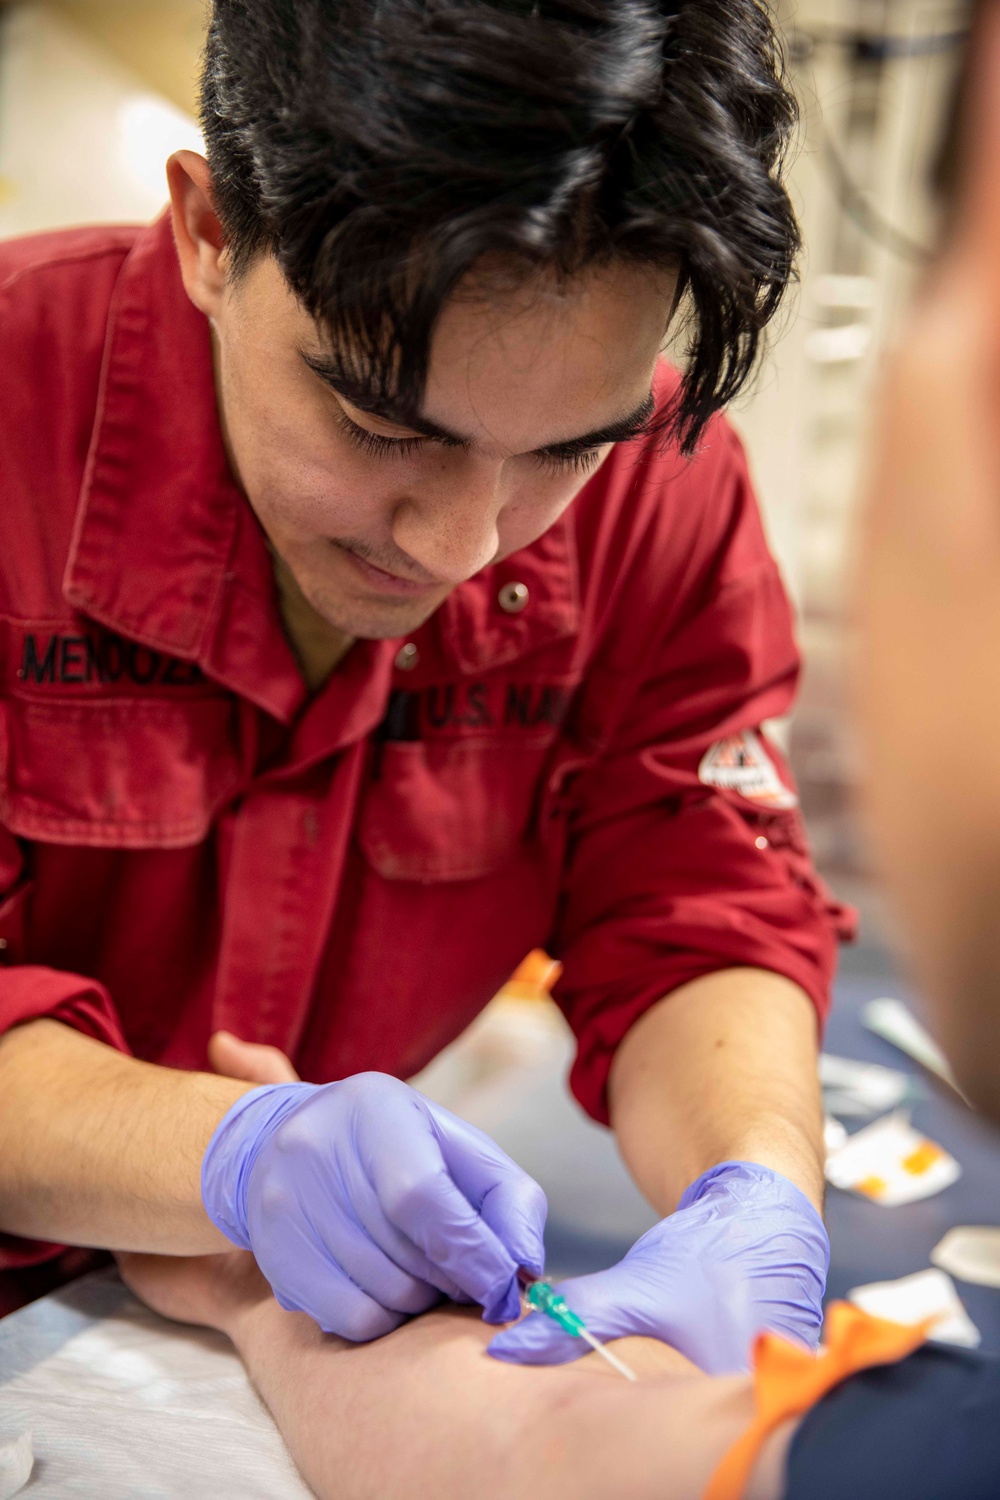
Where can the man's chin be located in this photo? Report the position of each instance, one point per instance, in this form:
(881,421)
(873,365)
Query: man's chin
(365,621)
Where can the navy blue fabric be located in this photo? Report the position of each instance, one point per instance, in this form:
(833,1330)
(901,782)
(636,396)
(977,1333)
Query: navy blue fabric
(925,1429)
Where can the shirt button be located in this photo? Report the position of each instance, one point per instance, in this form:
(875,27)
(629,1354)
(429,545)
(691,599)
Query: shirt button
(513,597)
(407,657)
(761,842)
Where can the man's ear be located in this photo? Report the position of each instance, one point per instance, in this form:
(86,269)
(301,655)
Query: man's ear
(197,231)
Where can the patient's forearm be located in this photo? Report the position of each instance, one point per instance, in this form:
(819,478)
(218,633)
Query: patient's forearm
(426,1413)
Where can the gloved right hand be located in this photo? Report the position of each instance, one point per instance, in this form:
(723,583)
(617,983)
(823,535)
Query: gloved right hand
(364,1203)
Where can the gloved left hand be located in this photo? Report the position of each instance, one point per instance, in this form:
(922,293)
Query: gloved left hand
(363,1202)
(745,1251)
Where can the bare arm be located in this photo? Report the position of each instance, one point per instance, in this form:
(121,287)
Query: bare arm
(425,1413)
(930,611)
(99,1149)
(722,1069)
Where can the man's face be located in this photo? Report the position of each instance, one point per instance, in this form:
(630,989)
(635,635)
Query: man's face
(525,392)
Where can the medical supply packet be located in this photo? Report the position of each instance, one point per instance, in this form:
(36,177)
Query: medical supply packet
(852,1088)
(891,1163)
(913,1299)
(970,1252)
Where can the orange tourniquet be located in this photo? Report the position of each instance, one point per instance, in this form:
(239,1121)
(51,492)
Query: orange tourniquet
(788,1381)
(533,978)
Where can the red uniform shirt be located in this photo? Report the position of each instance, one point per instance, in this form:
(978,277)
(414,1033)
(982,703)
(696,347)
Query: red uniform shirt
(189,841)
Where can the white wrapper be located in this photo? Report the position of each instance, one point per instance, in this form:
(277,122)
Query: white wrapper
(912,1299)
(16,1462)
(890,1163)
(972,1253)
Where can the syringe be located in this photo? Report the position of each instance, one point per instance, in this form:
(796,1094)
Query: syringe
(543,1297)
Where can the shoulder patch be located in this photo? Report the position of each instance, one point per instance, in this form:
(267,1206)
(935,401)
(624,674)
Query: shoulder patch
(740,763)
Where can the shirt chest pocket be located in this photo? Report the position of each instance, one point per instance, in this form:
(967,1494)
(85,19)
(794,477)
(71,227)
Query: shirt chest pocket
(124,773)
(450,811)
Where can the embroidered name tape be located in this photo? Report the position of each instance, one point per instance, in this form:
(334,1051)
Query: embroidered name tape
(50,659)
(740,763)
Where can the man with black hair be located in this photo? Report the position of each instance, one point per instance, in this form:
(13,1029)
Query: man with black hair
(378,606)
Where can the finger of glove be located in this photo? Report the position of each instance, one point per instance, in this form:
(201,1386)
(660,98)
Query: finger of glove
(431,1211)
(401,1250)
(374,1271)
(417,1194)
(314,1285)
(536,1340)
(604,1303)
(509,1201)
(297,1220)
(516,1209)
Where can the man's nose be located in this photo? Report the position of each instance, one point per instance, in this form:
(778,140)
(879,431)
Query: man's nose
(449,524)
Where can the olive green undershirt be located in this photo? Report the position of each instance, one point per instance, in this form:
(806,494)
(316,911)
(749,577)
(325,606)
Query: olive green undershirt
(319,646)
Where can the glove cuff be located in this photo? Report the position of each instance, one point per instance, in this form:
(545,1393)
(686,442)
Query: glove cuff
(746,1177)
(235,1145)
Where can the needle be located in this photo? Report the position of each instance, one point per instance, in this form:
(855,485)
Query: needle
(612,1359)
(542,1296)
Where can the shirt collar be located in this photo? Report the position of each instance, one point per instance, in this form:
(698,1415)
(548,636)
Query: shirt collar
(167,550)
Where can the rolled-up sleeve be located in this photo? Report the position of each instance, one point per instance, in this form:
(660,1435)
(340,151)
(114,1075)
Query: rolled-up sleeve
(670,873)
(29,992)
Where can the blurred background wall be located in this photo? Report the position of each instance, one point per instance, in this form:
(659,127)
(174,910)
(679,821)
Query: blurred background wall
(94,94)
(874,80)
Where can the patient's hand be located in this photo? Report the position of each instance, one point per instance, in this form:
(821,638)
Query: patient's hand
(210,1290)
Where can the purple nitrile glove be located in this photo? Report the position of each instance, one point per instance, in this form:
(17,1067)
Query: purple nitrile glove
(365,1203)
(745,1251)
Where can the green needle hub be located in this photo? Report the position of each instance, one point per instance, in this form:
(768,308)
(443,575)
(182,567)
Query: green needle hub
(545,1299)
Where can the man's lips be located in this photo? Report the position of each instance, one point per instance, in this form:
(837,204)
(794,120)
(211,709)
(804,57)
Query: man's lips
(386,583)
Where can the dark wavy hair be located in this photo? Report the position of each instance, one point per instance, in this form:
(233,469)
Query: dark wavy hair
(381,149)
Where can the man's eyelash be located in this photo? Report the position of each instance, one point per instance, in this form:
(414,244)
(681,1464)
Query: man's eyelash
(374,442)
(579,461)
(387,447)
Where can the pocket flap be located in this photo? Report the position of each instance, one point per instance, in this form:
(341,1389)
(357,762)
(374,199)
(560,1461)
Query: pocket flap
(129,773)
(448,810)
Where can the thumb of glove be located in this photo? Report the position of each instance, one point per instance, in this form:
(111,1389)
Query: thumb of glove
(538,1340)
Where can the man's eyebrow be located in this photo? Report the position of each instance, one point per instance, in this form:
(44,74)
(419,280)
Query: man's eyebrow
(620,431)
(379,405)
(383,406)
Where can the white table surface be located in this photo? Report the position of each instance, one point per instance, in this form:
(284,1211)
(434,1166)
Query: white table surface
(123,1405)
